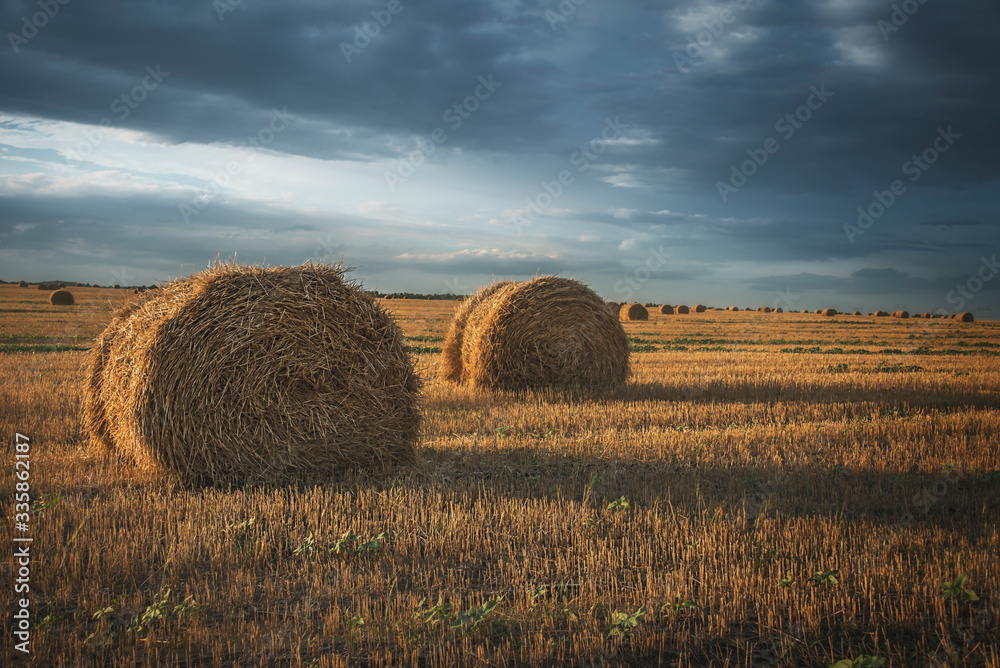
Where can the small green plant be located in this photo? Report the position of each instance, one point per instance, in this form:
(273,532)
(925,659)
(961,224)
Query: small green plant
(502,431)
(825,578)
(156,612)
(471,619)
(619,504)
(421,350)
(677,606)
(860,662)
(307,548)
(457,620)
(536,594)
(840,368)
(353,545)
(624,623)
(957,591)
(45,503)
(786,582)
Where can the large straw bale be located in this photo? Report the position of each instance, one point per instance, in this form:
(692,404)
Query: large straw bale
(238,375)
(546,333)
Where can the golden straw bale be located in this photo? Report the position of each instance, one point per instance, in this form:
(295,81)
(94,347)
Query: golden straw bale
(697,308)
(829,311)
(965,317)
(61,298)
(451,358)
(666,309)
(546,333)
(238,375)
(682,309)
(630,312)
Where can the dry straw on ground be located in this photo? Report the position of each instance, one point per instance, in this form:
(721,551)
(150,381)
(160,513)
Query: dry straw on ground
(547,333)
(247,374)
(666,309)
(61,298)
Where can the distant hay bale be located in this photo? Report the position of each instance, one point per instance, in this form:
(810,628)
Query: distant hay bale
(900,314)
(61,298)
(612,307)
(829,312)
(698,308)
(682,309)
(779,310)
(60,285)
(451,359)
(747,308)
(546,333)
(856,313)
(632,312)
(22,284)
(965,317)
(666,309)
(240,375)
(881,314)
(44,286)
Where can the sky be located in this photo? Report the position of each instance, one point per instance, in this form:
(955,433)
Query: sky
(835,153)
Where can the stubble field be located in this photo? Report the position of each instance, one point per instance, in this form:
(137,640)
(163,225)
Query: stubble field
(768,490)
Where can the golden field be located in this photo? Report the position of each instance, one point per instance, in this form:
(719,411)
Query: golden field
(768,490)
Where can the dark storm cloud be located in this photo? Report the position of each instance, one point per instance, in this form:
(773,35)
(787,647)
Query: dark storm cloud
(222,78)
(226,75)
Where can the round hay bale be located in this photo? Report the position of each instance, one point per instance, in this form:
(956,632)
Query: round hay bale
(612,307)
(829,312)
(451,358)
(697,308)
(61,298)
(666,309)
(682,309)
(901,314)
(546,333)
(240,375)
(44,286)
(856,313)
(632,312)
(779,310)
(22,284)
(965,317)
(881,314)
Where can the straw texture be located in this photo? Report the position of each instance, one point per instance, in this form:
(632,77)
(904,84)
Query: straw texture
(547,333)
(240,375)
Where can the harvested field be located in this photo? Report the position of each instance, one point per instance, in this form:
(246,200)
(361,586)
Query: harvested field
(784,491)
